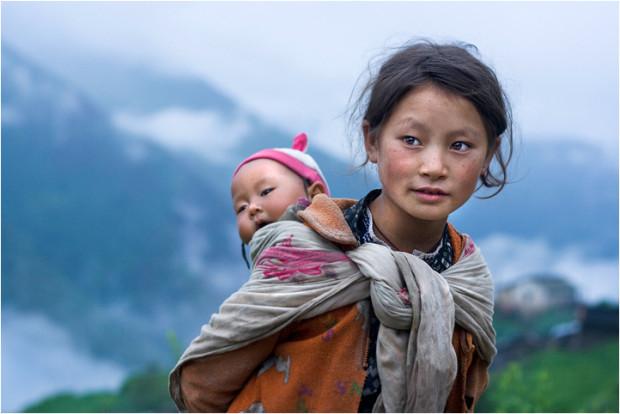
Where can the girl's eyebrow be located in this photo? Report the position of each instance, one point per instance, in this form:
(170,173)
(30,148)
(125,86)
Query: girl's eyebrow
(466,131)
(410,122)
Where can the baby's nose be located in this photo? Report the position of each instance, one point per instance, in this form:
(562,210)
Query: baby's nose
(254,208)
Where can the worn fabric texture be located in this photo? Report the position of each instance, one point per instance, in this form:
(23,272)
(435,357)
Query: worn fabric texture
(298,275)
(319,367)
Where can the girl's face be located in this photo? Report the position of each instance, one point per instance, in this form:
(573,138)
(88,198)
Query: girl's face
(261,191)
(429,155)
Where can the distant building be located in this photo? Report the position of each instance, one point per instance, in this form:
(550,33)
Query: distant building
(535,295)
(601,319)
(593,324)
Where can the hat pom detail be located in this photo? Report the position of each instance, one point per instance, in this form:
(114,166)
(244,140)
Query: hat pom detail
(300,142)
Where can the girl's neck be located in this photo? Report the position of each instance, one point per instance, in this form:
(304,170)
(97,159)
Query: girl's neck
(403,232)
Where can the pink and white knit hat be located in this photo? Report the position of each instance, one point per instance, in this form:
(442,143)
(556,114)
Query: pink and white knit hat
(295,158)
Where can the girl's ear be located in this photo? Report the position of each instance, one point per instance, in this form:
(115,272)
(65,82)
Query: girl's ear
(370,143)
(316,188)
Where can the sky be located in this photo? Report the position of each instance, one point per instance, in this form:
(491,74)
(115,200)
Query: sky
(296,63)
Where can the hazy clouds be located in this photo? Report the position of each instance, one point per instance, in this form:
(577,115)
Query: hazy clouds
(511,258)
(200,131)
(40,358)
(296,63)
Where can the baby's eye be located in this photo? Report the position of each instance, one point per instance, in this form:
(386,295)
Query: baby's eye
(410,140)
(460,146)
(241,208)
(266,191)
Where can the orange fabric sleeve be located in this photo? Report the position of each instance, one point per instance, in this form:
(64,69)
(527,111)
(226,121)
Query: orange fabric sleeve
(210,384)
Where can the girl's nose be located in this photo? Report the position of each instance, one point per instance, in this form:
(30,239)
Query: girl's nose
(433,164)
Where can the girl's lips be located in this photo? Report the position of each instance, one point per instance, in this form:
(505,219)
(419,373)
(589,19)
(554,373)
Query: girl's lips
(430,194)
(430,190)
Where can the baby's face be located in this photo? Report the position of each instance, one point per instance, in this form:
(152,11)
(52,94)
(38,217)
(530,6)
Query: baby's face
(261,191)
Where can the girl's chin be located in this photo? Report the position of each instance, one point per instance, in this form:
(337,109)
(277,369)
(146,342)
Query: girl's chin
(429,216)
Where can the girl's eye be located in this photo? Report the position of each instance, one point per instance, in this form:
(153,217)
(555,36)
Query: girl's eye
(409,140)
(266,191)
(461,146)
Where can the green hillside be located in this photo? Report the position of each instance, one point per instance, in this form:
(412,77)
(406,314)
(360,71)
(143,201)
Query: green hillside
(144,392)
(557,380)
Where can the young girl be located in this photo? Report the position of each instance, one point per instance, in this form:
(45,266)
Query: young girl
(433,120)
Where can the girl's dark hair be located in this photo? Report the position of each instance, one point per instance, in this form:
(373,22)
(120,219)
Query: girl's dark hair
(453,68)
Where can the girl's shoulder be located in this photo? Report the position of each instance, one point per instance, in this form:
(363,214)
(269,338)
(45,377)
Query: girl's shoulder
(462,244)
(325,216)
(457,240)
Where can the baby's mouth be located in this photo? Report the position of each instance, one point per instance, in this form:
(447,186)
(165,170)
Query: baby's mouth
(262,224)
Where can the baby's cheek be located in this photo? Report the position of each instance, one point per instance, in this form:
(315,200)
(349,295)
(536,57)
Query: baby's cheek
(244,231)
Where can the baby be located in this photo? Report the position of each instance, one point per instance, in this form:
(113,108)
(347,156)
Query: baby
(267,182)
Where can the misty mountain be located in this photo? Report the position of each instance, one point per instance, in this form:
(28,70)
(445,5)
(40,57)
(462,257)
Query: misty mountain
(110,236)
(562,189)
(139,92)
(119,238)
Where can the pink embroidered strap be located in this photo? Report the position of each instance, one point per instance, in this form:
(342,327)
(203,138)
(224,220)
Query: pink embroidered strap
(285,261)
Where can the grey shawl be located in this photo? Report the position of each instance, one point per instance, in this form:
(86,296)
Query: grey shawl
(416,361)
